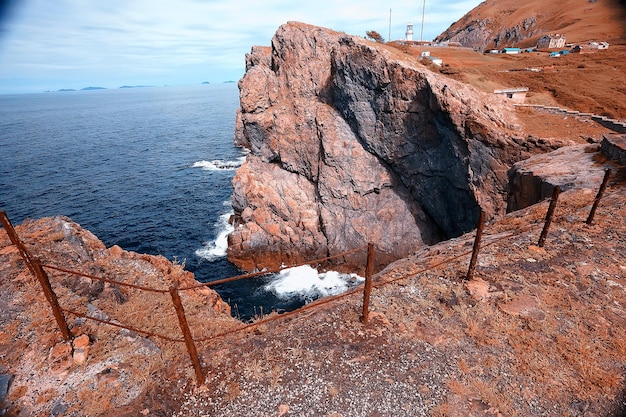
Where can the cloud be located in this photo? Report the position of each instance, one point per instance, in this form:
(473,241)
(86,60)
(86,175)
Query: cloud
(109,40)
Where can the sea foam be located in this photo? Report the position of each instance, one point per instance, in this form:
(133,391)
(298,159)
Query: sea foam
(216,249)
(306,283)
(220,165)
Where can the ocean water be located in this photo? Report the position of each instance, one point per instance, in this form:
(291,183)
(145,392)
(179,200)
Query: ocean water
(148,169)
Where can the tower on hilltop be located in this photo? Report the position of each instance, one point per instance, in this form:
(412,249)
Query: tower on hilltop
(409,32)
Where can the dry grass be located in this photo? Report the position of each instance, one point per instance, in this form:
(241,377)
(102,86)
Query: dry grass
(564,354)
(430,348)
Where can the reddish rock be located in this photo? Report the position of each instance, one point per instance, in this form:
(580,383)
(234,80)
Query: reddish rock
(60,359)
(524,306)
(533,179)
(614,147)
(81,349)
(478,289)
(351,143)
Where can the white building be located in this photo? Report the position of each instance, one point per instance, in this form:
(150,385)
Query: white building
(409,32)
(517,95)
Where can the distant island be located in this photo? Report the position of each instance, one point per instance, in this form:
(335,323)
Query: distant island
(92,88)
(136,86)
(229,82)
(205,82)
(66,89)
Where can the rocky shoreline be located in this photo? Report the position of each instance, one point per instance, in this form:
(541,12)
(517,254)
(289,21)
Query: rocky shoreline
(352,142)
(538,332)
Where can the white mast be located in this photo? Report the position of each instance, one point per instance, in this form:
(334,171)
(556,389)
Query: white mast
(422,30)
(389,36)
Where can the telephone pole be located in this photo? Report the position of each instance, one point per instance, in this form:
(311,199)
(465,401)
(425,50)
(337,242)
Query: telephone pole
(389,35)
(422,29)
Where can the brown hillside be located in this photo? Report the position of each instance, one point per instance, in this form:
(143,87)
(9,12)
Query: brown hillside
(516,23)
(591,82)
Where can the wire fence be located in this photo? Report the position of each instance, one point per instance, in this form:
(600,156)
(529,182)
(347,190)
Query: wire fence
(38,269)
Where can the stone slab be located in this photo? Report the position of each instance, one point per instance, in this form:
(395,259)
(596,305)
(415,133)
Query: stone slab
(614,147)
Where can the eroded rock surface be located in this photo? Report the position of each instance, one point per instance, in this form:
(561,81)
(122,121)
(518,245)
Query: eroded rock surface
(577,166)
(352,143)
(614,147)
(105,370)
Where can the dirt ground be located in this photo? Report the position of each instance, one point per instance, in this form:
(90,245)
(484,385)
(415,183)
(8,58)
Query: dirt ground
(592,82)
(539,331)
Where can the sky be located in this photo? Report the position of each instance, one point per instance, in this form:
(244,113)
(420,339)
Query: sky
(55,44)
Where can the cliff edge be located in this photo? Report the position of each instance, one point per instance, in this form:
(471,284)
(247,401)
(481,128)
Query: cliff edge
(354,142)
(105,370)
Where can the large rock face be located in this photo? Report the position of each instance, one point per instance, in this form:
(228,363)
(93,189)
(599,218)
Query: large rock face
(486,33)
(351,143)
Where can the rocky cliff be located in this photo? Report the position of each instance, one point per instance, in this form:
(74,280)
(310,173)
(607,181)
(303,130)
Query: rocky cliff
(577,166)
(105,370)
(353,142)
(501,23)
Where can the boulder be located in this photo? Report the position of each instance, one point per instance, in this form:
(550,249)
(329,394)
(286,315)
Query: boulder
(532,180)
(81,349)
(352,142)
(60,359)
(614,148)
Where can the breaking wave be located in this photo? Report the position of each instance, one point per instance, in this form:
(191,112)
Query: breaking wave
(216,249)
(220,165)
(308,284)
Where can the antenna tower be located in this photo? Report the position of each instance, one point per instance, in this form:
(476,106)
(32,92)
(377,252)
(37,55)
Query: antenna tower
(389,36)
(422,29)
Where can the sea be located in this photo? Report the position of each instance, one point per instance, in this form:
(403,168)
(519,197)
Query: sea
(149,169)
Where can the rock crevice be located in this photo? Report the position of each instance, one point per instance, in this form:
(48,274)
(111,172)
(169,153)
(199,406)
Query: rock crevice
(362,144)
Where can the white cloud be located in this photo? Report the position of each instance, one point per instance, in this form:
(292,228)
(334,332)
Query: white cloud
(96,41)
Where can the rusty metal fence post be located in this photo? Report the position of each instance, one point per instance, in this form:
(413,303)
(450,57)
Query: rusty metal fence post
(367,290)
(549,213)
(42,277)
(8,226)
(596,202)
(479,235)
(184,326)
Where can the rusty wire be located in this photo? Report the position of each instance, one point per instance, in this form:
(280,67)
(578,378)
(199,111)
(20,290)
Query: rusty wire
(147,333)
(269,318)
(269,271)
(456,257)
(110,281)
(355,290)
(318,303)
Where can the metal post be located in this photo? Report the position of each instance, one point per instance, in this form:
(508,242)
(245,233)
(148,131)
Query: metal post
(52,299)
(551,208)
(605,181)
(6,223)
(367,291)
(479,235)
(191,347)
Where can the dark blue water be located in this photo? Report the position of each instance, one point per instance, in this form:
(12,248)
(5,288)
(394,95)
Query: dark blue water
(148,169)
